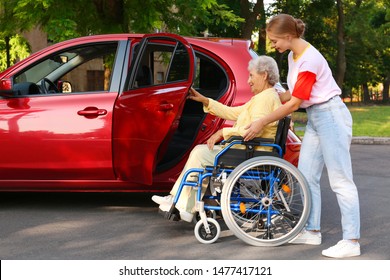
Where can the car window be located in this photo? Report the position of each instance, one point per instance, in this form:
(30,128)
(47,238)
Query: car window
(83,69)
(162,64)
(211,79)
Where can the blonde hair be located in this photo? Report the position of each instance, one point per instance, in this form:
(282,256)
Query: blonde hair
(284,24)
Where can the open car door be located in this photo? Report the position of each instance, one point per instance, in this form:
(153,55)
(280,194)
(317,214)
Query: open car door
(148,111)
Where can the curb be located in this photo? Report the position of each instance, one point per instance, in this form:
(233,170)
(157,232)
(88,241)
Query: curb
(371,140)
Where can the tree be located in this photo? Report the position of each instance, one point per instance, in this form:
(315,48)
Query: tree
(341,59)
(367,46)
(250,11)
(381,22)
(255,21)
(12,46)
(65,19)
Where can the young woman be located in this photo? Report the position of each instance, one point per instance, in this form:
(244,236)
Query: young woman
(327,137)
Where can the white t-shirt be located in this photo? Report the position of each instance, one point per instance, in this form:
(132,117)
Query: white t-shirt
(324,87)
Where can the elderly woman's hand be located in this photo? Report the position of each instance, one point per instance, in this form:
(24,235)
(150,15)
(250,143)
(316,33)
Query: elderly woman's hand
(215,138)
(196,96)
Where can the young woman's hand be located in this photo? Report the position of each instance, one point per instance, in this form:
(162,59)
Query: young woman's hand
(253,129)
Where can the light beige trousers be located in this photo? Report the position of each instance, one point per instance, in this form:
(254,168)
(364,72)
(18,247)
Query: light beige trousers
(200,157)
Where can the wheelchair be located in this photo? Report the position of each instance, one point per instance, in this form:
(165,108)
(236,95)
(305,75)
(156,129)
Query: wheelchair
(264,200)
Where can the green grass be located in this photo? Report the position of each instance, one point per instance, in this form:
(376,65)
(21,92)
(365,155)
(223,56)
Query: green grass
(371,121)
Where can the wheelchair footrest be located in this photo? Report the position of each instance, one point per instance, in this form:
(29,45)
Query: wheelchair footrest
(172,214)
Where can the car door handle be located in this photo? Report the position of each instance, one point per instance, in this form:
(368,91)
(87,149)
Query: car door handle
(92,112)
(166,107)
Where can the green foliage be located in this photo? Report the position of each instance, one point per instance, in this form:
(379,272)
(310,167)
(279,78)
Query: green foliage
(19,50)
(221,20)
(64,19)
(363,48)
(179,16)
(60,30)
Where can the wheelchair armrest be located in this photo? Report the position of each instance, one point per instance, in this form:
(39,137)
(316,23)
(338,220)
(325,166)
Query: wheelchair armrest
(254,141)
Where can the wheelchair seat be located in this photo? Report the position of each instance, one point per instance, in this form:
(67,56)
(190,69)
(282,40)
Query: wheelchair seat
(233,157)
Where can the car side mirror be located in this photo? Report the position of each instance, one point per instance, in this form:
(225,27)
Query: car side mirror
(6,87)
(65,86)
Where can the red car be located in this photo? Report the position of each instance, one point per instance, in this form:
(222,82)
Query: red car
(109,112)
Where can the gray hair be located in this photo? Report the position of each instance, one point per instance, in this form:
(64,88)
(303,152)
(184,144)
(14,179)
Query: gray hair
(267,64)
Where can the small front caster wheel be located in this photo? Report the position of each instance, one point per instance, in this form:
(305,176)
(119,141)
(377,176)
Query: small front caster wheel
(203,236)
(209,214)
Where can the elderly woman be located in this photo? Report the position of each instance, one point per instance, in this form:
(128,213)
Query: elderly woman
(263,75)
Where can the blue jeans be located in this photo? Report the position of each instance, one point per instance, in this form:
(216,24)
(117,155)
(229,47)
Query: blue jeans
(327,142)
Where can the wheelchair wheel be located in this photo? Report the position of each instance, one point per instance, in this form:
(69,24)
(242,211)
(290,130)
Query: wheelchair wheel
(203,236)
(265,201)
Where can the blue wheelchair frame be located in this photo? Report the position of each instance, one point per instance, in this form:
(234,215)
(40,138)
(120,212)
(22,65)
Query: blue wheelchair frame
(212,171)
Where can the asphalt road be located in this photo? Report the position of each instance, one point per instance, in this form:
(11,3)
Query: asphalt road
(127,226)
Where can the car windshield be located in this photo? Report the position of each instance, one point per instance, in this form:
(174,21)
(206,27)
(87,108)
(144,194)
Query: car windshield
(43,69)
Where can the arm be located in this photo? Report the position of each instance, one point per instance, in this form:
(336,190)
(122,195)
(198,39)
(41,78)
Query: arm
(196,96)
(215,138)
(255,127)
(285,96)
(214,107)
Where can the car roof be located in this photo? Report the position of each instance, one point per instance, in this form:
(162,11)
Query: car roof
(124,36)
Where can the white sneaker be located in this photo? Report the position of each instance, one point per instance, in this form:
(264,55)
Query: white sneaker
(163,199)
(343,249)
(165,207)
(185,216)
(307,237)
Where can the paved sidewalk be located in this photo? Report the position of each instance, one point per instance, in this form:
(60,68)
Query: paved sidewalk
(371,140)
